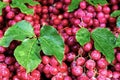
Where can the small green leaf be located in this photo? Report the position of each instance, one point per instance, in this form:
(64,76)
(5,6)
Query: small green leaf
(74,5)
(104,41)
(117,42)
(118,21)
(83,36)
(28,54)
(19,31)
(96,2)
(51,42)
(115,13)
(21,5)
(2,5)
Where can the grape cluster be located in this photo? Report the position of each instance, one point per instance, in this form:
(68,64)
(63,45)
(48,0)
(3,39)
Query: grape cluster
(79,63)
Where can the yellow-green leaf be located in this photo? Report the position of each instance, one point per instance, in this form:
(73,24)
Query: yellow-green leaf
(104,41)
(74,5)
(21,5)
(19,31)
(2,5)
(28,54)
(51,42)
(115,13)
(118,21)
(83,36)
(97,2)
(117,42)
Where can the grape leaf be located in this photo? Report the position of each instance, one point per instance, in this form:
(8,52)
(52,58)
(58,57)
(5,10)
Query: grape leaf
(28,54)
(51,42)
(118,21)
(2,5)
(74,5)
(21,5)
(19,31)
(96,2)
(115,13)
(104,41)
(83,36)
(117,42)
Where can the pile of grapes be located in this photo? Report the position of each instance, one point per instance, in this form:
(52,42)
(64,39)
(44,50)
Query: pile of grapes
(80,62)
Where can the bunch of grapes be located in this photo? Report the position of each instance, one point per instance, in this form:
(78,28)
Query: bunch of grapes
(80,62)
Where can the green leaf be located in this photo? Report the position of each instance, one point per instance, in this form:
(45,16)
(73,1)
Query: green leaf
(51,42)
(28,54)
(21,5)
(74,5)
(96,2)
(2,5)
(19,31)
(117,42)
(83,36)
(104,41)
(118,21)
(115,13)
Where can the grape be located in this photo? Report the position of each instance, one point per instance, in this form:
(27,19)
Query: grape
(87,47)
(83,5)
(77,70)
(102,63)
(95,55)
(90,64)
